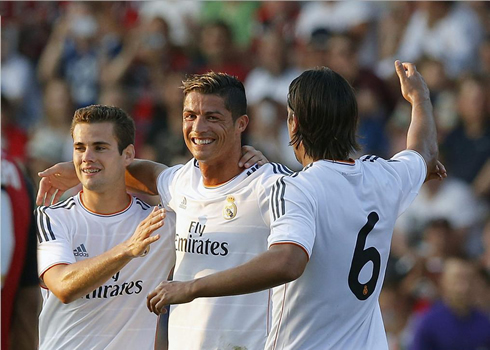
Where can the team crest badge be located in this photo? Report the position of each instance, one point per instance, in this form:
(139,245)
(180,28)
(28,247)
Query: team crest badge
(230,209)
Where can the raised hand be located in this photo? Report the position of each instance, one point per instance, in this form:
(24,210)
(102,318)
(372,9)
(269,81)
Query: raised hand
(139,243)
(414,88)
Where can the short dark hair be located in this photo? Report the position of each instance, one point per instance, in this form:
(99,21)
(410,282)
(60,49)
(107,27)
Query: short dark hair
(226,86)
(124,128)
(326,108)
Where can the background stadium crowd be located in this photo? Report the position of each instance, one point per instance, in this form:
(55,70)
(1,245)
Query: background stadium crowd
(60,56)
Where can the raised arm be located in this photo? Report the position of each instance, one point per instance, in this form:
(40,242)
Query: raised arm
(422,133)
(72,281)
(141,175)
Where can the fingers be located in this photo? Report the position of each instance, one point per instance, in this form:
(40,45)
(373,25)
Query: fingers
(153,221)
(155,302)
(47,172)
(400,71)
(44,186)
(250,156)
(441,169)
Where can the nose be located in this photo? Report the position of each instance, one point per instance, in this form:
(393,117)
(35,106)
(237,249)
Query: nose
(200,124)
(88,156)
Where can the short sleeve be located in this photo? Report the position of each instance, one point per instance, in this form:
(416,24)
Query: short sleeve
(411,168)
(292,214)
(54,246)
(164,184)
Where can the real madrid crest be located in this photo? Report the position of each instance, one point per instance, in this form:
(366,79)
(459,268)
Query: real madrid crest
(230,209)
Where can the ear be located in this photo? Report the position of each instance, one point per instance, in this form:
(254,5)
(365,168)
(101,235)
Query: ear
(128,154)
(242,123)
(293,123)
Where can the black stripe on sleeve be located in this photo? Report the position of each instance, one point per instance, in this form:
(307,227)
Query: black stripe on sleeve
(273,202)
(278,202)
(282,191)
(48,223)
(38,226)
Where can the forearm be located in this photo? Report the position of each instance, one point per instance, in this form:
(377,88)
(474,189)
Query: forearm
(76,280)
(422,133)
(141,176)
(280,264)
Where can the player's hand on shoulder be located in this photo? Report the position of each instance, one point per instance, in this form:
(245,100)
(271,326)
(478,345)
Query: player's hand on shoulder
(55,181)
(139,243)
(250,156)
(414,88)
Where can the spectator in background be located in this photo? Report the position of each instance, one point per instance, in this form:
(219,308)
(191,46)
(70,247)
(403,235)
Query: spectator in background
(218,52)
(14,138)
(356,18)
(77,51)
(277,16)
(467,148)
(267,91)
(445,30)
(452,200)
(238,15)
(50,142)
(19,85)
(181,17)
(163,142)
(454,323)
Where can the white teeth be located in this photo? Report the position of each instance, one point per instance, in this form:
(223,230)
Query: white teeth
(90,171)
(202,141)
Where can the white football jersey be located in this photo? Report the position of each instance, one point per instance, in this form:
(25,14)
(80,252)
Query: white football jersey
(114,316)
(342,214)
(219,228)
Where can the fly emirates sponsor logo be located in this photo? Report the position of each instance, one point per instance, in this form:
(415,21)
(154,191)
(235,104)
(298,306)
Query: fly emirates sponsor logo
(113,290)
(194,242)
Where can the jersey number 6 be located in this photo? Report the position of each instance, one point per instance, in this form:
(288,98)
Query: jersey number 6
(361,257)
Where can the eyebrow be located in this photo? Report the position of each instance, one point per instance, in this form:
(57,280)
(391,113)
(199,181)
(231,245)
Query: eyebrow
(186,110)
(96,143)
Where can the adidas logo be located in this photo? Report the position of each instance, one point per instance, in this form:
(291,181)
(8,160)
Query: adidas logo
(183,204)
(80,251)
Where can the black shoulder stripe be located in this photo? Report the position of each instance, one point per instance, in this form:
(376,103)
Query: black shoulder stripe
(285,169)
(142,204)
(280,169)
(44,224)
(62,204)
(67,204)
(371,158)
(278,203)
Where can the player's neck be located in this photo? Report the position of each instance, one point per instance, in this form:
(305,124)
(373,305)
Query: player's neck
(217,174)
(108,202)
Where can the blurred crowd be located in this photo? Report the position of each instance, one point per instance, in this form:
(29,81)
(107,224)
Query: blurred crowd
(62,55)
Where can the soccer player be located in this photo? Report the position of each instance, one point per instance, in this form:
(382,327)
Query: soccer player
(222,214)
(331,223)
(93,286)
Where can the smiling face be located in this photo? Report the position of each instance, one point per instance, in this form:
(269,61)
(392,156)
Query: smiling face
(210,133)
(98,164)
